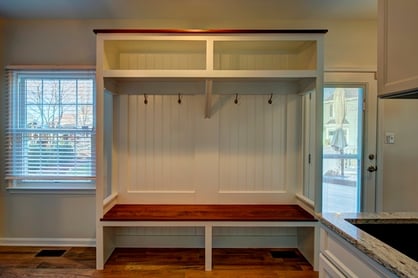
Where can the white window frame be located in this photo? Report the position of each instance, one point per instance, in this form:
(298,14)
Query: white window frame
(17,127)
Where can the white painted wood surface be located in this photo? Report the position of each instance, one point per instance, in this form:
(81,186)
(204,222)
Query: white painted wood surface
(159,152)
(338,258)
(195,234)
(252,144)
(397,46)
(206,149)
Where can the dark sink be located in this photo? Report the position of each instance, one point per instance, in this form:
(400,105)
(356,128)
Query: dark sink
(401,236)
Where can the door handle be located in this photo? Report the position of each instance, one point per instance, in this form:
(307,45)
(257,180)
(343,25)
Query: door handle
(372,169)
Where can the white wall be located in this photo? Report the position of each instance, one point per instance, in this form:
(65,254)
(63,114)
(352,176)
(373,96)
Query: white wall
(399,160)
(348,44)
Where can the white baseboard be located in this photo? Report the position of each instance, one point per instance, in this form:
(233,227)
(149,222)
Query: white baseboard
(19,241)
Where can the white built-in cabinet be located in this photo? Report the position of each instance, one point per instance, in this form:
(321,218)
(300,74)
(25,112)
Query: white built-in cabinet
(397,46)
(338,258)
(208,117)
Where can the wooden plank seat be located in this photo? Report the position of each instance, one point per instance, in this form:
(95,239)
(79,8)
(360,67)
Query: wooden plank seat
(126,212)
(206,216)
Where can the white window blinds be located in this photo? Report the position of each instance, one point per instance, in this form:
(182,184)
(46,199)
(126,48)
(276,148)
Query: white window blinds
(50,132)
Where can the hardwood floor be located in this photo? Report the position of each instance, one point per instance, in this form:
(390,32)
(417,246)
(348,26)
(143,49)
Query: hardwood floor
(146,263)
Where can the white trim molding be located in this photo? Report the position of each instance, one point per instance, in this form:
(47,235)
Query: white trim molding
(23,241)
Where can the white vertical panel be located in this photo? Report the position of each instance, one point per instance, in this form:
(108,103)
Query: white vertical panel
(161,61)
(251,150)
(242,147)
(122,148)
(259,143)
(139,124)
(160,143)
(225,155)
(132,131)
(279,140)
(252,144)
(141,61)
(124,61)
(129,60)
(257,62)
(166,148)
(149,141)
(133,61)
(268,144)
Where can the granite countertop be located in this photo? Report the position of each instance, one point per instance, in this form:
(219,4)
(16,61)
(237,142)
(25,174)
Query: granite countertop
(393,260)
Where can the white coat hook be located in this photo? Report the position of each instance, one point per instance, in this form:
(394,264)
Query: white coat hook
(236,99)
(270,101)
(145,99)
(179,99)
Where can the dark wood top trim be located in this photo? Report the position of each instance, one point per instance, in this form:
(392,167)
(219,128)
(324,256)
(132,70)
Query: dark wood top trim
(130,212)
(212,31)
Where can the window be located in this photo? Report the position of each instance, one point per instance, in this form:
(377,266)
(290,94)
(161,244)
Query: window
(51,128)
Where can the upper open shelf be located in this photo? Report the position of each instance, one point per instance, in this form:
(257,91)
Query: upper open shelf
(149,54)
(209,54)
(264,55)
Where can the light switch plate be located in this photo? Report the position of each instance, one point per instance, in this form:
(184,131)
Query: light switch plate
(389,138)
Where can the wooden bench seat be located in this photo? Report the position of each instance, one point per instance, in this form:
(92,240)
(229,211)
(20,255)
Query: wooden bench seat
(123,212)
(205,216)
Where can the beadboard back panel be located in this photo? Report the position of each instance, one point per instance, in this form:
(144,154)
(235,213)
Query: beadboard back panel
(157,146)
(252,144)
(162,61)
(168,153)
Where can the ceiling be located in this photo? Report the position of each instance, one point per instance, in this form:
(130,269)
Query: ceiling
(193,9)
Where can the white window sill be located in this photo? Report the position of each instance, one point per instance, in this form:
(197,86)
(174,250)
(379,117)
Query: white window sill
(71,190)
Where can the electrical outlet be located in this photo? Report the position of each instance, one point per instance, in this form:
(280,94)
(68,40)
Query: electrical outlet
(389,138)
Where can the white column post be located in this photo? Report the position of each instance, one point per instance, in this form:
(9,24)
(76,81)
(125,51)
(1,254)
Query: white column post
(208,247)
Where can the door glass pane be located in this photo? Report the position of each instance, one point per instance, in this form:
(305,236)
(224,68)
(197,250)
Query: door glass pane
(342,149)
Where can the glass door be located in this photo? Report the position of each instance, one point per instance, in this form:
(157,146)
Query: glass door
(349,142)
(342,149)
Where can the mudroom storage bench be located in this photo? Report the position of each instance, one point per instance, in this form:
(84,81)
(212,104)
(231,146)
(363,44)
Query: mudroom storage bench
(208,138)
